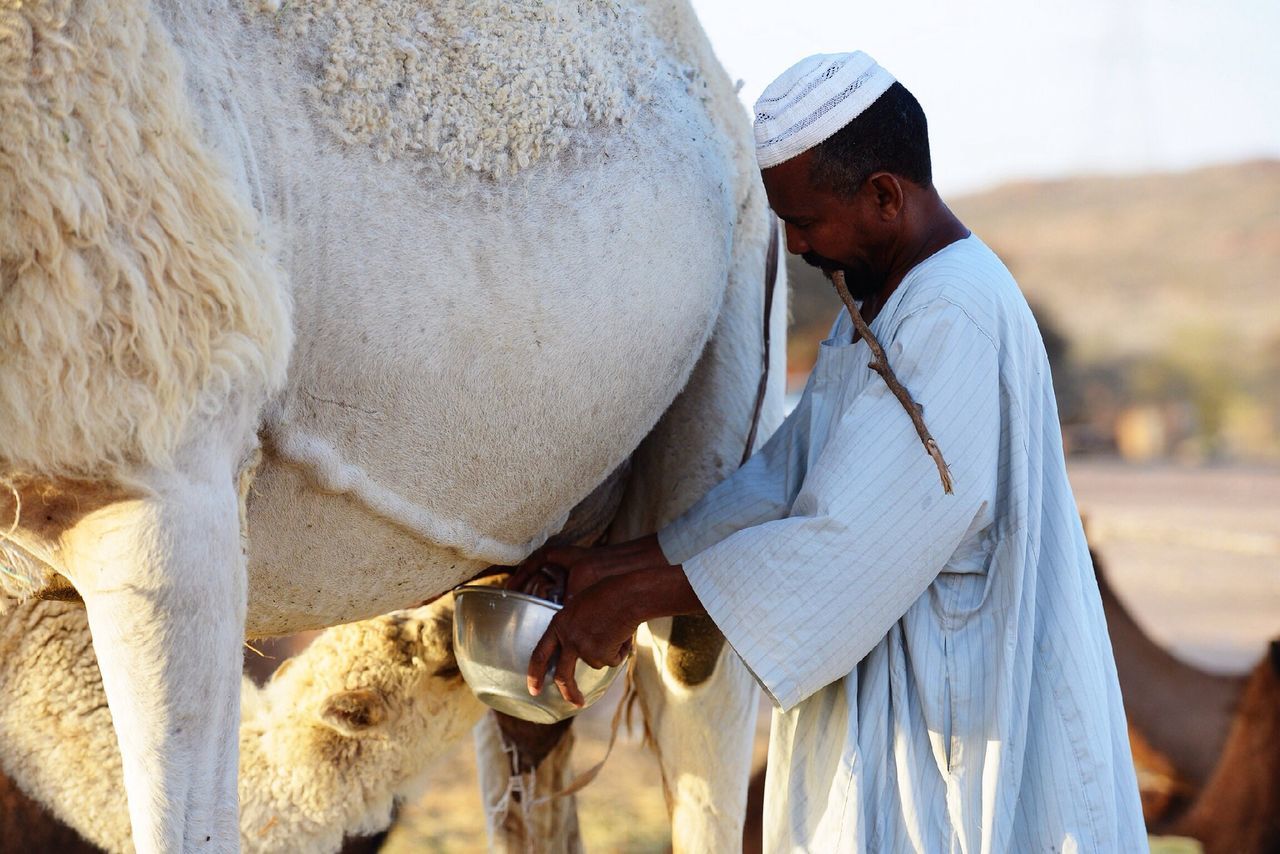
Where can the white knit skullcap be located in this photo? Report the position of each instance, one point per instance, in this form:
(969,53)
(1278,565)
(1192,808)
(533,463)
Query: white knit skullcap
(812,100)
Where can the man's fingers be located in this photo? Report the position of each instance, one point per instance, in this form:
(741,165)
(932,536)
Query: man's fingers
(580,579)
(557,559)
(608,657)
(563,555)
(539,660)
(527,569)
(518,579)
(566,680)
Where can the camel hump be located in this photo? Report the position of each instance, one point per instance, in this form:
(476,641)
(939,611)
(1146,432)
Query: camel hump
(482,86)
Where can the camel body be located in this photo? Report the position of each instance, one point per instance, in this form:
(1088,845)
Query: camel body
(473,356)
(391,347)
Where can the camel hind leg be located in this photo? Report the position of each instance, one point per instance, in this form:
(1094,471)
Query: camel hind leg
(701,735)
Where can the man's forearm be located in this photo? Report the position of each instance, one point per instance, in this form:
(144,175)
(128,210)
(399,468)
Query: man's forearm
(642,553)
(656,592)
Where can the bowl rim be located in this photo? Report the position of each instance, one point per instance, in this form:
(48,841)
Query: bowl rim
(503,593)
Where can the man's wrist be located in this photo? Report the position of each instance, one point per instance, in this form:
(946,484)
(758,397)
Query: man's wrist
(658,592)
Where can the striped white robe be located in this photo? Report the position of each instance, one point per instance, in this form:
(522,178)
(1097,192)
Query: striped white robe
(940,663)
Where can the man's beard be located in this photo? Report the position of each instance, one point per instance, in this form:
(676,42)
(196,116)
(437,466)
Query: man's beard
(861,283)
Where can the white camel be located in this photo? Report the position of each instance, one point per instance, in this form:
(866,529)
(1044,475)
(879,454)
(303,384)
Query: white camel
(443,267)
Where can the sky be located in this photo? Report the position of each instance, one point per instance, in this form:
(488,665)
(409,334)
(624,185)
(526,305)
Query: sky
(1033,89)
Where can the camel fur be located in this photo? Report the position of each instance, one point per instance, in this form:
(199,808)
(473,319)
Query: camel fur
(1238,810)
(326,746)
(383,84)
(137,289)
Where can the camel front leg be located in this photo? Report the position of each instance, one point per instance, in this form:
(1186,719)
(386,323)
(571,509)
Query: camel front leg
(163,580)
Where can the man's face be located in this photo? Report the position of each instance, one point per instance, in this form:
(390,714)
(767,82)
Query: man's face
(829,231)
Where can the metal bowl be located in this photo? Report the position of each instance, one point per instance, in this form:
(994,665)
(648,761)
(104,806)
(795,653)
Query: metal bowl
(494,633)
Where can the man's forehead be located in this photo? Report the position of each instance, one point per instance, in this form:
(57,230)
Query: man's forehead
(788,185)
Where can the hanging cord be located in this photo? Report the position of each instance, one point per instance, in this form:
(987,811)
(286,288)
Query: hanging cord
(770,282)
(880,364)
(586,777)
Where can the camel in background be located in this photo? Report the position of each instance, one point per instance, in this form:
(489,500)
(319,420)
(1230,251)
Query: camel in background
(1183,712)
(1219,735)
(1238,810)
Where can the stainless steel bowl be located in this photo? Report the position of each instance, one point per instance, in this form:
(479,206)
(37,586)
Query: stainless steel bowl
(494,633)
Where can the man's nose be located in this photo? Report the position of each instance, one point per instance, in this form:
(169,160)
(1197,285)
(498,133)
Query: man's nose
(796,244)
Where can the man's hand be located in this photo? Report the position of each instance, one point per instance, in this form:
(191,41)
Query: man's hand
(594,626)
(551,570)
(575,569)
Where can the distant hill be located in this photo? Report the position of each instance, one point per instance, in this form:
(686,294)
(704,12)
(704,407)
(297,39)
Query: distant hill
(1123,265)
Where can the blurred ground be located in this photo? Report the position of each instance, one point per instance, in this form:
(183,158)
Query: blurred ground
(621,811)
(1195,552)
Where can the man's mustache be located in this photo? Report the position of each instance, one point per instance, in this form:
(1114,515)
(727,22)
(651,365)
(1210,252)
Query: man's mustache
(860,284)
(826,265)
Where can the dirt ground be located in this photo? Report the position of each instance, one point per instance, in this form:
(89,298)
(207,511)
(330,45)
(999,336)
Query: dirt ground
(1194,552)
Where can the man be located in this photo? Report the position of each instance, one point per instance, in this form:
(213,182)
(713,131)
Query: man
(939,662)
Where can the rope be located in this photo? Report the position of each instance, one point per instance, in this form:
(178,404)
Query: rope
(585,778)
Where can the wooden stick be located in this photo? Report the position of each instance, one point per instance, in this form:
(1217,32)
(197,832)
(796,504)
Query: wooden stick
(880,364)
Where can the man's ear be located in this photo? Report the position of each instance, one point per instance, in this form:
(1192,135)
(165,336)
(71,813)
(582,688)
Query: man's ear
(888,194)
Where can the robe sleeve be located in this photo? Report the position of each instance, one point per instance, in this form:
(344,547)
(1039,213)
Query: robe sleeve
(803,599)
(761,490)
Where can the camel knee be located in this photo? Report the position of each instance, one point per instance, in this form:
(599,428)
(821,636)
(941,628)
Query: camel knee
(530,743)
(693,650)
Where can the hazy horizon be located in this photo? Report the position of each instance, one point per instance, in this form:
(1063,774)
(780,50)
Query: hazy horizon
(1022,93)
